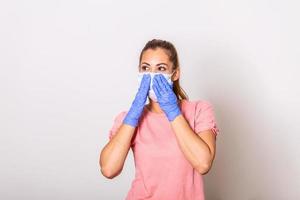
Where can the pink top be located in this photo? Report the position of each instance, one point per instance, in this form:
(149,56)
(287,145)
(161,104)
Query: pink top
(162,171)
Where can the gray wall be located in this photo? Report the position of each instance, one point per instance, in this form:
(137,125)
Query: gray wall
(68,67)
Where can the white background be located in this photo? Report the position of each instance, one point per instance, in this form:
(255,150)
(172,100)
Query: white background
(68,67)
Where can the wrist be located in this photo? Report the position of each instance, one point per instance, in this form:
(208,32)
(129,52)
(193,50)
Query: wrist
(133,115)
(172,114)
(130,120)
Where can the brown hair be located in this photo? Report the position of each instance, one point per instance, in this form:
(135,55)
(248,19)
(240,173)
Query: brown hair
(173,57)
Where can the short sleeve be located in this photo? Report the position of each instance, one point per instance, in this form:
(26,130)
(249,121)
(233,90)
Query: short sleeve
(205,117)
(118,120)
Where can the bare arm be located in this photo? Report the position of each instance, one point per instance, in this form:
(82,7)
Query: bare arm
(199,151)
(114,153)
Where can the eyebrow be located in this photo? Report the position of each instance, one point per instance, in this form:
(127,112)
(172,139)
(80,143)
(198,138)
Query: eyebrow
(156,64)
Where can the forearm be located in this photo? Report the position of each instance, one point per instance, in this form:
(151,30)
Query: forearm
(114,154)
(195,150)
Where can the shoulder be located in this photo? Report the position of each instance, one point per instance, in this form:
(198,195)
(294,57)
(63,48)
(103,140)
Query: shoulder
(198,104)
(203,104)
(197,109)
(120,115)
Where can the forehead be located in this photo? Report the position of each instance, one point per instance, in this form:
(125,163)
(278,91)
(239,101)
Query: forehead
(155,55)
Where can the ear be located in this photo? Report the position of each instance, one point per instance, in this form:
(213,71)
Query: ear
(176,74)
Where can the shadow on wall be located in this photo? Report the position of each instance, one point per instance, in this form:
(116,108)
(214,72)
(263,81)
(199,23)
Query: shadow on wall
(234,86)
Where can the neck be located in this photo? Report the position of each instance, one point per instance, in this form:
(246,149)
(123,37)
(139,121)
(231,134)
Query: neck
(154,106)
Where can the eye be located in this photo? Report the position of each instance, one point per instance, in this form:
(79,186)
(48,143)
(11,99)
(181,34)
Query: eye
(162,68)
(144,68)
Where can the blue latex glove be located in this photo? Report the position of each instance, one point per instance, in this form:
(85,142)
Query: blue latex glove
(166,97)
(138,103)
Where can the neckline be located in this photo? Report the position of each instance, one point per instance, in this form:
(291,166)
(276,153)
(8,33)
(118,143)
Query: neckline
(161,114)
(154,113)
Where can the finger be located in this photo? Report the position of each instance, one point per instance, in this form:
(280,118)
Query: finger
(145,83)
(164,82)
(160,86)
(156,90)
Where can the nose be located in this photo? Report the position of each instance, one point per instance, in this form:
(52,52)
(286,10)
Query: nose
(153,70)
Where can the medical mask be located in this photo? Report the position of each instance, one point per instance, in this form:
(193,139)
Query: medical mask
(151,93)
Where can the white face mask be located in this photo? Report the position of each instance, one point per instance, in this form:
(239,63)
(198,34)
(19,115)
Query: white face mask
(151,93)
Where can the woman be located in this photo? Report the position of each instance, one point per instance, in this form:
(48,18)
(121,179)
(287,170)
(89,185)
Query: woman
(172,138)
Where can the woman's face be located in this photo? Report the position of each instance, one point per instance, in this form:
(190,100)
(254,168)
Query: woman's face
(155,61)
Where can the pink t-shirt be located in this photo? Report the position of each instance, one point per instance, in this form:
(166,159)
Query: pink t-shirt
(161,170)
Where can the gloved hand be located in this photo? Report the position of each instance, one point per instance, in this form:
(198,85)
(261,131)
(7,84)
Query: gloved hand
(166,97)
(138,103)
